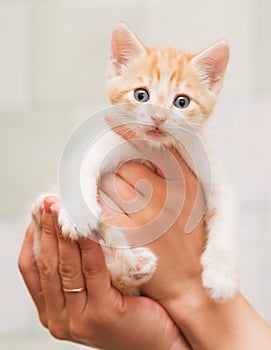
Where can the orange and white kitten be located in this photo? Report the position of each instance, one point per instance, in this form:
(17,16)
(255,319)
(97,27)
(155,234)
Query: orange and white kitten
(188,85)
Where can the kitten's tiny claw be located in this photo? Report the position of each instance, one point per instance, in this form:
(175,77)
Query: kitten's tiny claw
(67,227)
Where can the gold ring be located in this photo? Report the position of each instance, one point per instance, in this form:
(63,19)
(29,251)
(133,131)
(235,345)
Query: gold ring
(75,290)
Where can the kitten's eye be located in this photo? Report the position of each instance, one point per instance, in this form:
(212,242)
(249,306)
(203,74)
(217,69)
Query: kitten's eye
(182,101)
(141,95)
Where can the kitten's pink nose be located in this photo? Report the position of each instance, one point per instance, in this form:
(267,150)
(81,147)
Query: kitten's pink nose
(158,120)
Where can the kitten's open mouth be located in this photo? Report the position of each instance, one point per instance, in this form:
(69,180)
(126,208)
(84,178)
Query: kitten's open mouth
(155,132)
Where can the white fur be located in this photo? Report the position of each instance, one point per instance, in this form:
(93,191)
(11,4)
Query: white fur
(129,267)
(219,263)
(218,259)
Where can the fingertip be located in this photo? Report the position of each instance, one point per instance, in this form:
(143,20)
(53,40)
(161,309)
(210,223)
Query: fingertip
(54,208)
(48,202)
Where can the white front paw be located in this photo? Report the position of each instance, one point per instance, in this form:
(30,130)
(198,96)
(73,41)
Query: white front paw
(142,265)
(67,227)
(221,282)
(81,226)
(132,268)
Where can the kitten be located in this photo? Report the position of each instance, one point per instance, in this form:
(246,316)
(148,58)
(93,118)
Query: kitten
(187,85)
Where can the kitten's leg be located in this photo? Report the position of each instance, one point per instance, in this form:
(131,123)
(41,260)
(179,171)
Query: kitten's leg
(129,268)
(220,273)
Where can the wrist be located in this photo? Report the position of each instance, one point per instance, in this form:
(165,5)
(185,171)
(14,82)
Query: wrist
(209,325)
(192,299)
(194,313)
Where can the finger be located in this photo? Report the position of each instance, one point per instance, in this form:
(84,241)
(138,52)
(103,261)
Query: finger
(49,201)
(132,172)
(29,271)
(70,268)
(112,213)
(117,188)
(122,196)
(96,275)
(48,265)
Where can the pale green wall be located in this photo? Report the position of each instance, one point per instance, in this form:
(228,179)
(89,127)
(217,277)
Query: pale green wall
(53,56)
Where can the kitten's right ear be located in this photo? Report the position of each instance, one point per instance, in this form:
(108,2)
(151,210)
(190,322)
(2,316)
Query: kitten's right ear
(124,48)
(211,65)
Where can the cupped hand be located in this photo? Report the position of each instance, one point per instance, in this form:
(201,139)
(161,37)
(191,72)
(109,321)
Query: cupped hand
(98,316)
(180,246)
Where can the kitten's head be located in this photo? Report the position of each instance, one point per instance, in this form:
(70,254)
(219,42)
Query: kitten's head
(186,84)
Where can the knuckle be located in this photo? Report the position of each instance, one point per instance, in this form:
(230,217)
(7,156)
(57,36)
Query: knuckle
(68,271)
(43,319)
(47,267)
(47,226)
(79,331)
(91,271)
(23,265)
(93,259)
(58,331)
(89,329)
(103,318)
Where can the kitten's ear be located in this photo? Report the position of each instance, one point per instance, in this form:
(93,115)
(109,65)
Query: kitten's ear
(212,64)
(124,48)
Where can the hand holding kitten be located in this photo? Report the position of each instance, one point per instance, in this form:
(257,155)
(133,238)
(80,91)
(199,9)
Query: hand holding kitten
(178,252)
(100,316)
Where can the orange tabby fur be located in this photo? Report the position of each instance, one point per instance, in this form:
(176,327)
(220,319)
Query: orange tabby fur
(154,72)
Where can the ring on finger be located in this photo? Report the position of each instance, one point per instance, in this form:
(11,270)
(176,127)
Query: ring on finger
(74,290)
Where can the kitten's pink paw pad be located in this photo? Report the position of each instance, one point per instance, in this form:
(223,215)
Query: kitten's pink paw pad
(144,265)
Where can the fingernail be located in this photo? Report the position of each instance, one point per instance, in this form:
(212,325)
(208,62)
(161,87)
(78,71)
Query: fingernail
(55,208)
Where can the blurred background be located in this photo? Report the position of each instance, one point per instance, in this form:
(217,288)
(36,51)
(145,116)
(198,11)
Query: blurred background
(53,56)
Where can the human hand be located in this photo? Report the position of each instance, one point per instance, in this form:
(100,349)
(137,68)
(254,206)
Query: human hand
(99,316)
(179,268)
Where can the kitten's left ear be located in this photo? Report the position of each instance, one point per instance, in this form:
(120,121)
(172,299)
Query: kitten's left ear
(125,47)
(212,63)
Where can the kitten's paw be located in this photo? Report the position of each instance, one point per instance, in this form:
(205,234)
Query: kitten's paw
(143,265)
(67,227)
(131,269)
(221,283)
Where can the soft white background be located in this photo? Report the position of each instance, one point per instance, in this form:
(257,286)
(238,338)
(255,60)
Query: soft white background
(53,58)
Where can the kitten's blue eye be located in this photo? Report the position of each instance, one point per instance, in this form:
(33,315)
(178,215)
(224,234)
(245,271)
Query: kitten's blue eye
(182,101)
(141,95)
